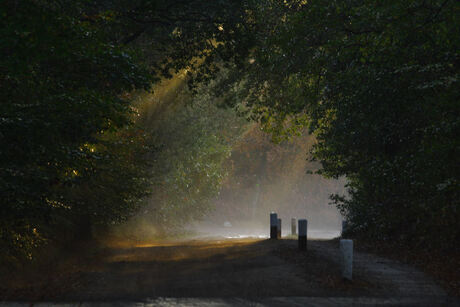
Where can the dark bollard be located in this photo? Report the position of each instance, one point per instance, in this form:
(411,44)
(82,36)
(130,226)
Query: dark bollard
(293,227)
(344,226)
(279,228)
(273,225)
(303,234)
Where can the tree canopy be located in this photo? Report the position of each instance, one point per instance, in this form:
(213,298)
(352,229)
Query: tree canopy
(73,153)
(375,82)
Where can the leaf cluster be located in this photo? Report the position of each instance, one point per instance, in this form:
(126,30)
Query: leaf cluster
(65,141)
(377,83)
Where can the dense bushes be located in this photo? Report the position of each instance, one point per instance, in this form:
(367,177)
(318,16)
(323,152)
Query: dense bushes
(378,84)
(71,153)
(65,141)
(193,138)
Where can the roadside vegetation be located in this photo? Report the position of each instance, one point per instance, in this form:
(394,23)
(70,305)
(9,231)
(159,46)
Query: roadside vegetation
(376,83)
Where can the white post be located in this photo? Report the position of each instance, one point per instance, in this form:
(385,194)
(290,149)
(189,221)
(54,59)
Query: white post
(293,226)
(279,228)
(346,250)
(273,225)
(303,234)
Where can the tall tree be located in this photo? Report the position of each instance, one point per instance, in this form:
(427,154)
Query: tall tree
(71,156)
(377,83)
(61,86)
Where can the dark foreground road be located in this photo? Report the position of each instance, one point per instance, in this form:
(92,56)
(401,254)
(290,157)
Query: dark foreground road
(235,273)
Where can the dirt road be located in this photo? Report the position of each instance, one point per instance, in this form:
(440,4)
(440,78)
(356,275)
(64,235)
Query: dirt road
(250,269)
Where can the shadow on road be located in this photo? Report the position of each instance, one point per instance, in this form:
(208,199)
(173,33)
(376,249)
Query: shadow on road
(245,268)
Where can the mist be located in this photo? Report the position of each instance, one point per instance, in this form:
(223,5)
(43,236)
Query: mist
(266,177)
(217,174)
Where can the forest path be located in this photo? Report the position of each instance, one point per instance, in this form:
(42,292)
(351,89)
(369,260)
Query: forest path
(251,272)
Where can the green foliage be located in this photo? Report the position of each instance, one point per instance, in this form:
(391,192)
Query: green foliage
(71,157)
(61,86)
(174,34)
(194,138)
(377,83)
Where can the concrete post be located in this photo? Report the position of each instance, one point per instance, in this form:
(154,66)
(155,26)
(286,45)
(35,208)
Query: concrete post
(303,234)
(293,227)
(273,225)
(279,228)
(346,251)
